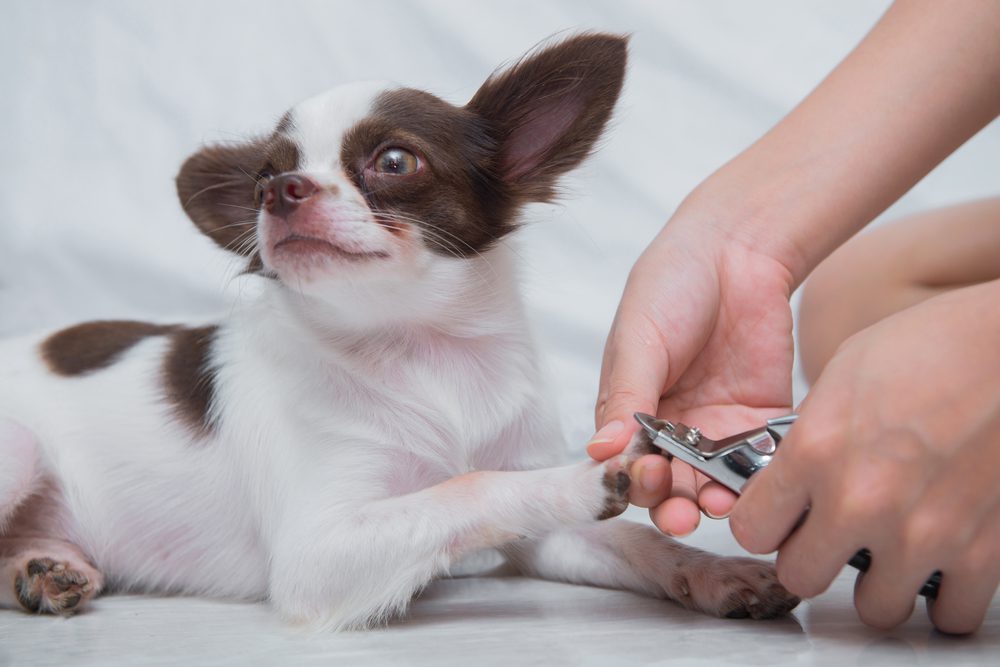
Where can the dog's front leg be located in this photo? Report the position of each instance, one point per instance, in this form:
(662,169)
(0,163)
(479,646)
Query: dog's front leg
(348,566)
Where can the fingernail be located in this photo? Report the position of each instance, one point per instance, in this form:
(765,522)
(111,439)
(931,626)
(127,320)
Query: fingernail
(709,514)
(608,433)
(652,475)
(685,533)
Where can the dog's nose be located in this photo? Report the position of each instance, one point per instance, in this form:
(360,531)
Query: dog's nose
(283,194)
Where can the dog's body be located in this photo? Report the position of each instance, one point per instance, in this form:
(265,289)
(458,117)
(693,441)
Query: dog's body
(372,414)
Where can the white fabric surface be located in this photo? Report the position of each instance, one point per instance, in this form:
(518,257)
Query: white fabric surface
(101,101)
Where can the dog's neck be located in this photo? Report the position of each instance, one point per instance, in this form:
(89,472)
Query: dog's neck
(420,321)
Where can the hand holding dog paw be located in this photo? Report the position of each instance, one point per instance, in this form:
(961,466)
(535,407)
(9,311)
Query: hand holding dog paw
(702,335)
(897,450)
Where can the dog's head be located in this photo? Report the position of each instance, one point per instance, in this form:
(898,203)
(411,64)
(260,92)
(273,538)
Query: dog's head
(369,190)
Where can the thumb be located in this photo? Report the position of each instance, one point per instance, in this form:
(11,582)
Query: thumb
(633,377)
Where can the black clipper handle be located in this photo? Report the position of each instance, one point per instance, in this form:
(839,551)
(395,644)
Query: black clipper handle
(863,560)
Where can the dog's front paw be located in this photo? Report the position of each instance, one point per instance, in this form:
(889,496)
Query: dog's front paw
(731,588)
(590,492)
(616,483)
(616,479)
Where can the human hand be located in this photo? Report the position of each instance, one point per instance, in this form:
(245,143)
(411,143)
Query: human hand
(897,449)
(703,335)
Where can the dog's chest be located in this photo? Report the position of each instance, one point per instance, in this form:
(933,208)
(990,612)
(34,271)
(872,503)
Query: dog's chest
(420,418)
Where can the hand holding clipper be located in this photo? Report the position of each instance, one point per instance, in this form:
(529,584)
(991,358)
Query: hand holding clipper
(731,461)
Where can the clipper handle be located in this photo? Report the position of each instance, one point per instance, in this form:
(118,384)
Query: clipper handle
(863,560)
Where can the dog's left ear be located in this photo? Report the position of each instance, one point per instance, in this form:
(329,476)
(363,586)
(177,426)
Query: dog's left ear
(548,110)
(216,188)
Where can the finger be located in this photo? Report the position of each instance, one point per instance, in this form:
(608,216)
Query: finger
(716,500)
(968,585)
(814,554)
(771,506)
(884,595)
(651,481)
(635,368)
(679,515)
(610,440)
(676,516)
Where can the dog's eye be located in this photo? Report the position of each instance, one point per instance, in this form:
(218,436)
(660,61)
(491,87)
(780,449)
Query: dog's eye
(396,161)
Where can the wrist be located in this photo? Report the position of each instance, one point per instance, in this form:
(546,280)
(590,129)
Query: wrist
(752,213)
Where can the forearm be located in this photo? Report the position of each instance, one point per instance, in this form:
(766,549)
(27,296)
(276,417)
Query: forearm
(925,79)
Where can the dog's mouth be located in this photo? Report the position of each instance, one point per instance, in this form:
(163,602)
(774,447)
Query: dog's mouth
(311,245)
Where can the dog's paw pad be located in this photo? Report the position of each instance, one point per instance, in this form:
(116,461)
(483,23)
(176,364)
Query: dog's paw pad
(728,587)
(754,592)
(48,586)
(746,603)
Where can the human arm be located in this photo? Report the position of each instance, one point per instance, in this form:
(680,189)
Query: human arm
(704,305)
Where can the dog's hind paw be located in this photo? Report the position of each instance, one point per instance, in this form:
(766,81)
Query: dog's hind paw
(730,588)
(44,585)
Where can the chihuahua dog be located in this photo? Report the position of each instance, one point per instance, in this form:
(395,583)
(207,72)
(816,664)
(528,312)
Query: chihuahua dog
(373,414)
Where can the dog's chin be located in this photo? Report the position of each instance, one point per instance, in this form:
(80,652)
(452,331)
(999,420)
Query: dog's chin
(297,259)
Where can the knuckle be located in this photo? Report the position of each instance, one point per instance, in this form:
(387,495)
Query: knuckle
(623,390)
(818,440)
(929,531)
(980,556)
(869,498)
(622,401)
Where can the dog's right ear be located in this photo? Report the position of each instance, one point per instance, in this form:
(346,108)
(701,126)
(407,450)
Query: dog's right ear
(216,187)
(548,110)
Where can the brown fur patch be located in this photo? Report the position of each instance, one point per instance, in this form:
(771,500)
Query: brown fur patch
(456,198)
(617,485)
(189,378)
(91,346)
(219,186)
(642,444)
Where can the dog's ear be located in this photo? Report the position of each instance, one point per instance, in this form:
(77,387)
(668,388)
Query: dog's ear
(216,187)
(548,110)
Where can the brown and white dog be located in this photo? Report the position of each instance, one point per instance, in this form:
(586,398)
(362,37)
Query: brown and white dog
(372,413)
